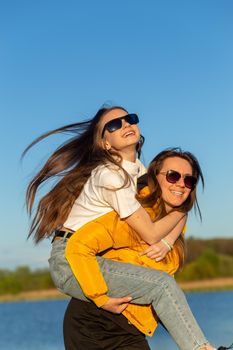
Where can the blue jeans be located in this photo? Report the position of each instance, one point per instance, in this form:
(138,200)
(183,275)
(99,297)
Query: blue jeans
(144,285)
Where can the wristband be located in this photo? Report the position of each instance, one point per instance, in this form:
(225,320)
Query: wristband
(167,244)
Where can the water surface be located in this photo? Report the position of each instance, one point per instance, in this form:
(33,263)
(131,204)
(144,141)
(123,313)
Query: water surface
(37,325)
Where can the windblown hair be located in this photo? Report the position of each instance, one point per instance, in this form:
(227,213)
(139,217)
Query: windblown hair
(154,198)
(72,163)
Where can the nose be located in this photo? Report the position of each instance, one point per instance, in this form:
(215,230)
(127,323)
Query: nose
(180,182)
(125,124)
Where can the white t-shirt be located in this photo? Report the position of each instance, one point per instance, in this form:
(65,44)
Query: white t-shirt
(100,194)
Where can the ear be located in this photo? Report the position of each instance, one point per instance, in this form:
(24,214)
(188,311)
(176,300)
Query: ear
(106,145)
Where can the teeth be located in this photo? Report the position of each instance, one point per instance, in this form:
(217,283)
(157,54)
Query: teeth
(129,133)
(176,193)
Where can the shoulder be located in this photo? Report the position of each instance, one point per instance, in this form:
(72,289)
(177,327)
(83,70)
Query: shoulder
(108,175)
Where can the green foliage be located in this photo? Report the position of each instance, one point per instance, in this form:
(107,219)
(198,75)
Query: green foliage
(205,259)
(23,279)
(196,247)
(208,265)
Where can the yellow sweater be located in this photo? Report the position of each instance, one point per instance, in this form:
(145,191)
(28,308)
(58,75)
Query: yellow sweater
(115,240)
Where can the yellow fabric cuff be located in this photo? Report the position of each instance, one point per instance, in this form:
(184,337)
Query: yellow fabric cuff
(101,300)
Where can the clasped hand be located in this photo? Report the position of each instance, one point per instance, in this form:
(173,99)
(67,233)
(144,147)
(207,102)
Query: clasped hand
(156,251)
(116,305)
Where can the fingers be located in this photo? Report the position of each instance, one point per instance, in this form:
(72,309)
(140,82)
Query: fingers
(156,251)
(153,253)
(144,252)
(121,308)
(160,258)
(117,305)
(156,257)
(124,299)
(150,250)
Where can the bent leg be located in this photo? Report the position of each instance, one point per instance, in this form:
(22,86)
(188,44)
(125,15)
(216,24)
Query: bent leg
(148,286)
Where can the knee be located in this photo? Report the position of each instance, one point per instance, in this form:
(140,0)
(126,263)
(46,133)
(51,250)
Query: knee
(168,282)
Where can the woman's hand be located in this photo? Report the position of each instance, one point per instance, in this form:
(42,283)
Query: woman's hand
(116,305)
(156,251)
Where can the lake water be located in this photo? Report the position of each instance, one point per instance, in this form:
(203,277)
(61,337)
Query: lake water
(38,325)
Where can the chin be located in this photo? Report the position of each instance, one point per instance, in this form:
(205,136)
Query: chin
(170,206)
(177,205)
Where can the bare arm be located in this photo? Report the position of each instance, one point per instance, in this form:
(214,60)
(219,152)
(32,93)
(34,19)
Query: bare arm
(175,233)
(123,201)
(153,232)
(159,250)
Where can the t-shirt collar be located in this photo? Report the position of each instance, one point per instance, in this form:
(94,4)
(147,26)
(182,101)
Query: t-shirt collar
(132,168)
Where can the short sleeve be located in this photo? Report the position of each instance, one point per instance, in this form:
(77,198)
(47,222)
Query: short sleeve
(121,199)
(109,177)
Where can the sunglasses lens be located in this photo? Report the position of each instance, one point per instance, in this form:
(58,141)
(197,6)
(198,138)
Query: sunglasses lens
(131,118)
(190,181)
(114,125)
(172,176)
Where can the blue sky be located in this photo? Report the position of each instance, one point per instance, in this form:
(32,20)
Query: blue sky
(170,61)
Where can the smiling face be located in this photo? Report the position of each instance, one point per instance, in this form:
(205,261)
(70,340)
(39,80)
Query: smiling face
(123,140)
(175,194)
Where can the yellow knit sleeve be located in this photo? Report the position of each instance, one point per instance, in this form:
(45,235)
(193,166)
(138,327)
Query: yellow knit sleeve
(81,251)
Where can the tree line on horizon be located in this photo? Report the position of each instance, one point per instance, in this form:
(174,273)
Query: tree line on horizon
(196,247)
(205,259)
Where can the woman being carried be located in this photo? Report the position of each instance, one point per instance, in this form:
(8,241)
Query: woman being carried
(98,176)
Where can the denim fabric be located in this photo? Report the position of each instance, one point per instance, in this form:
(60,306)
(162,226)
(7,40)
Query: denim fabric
(144,285)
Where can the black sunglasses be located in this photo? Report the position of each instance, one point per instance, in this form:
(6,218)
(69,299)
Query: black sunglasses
(116,123)
(173,176)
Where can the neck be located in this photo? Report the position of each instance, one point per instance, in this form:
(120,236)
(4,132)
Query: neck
(168,208)
(130,156)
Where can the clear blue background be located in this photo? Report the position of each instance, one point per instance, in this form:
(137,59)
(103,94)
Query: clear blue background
(169,61)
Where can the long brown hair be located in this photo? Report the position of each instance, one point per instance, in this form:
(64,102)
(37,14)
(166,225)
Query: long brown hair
(72,163)
(154,198)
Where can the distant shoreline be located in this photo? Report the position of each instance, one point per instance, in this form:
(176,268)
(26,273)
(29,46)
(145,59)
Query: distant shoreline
(44,294)
(218,284)
(224,283)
